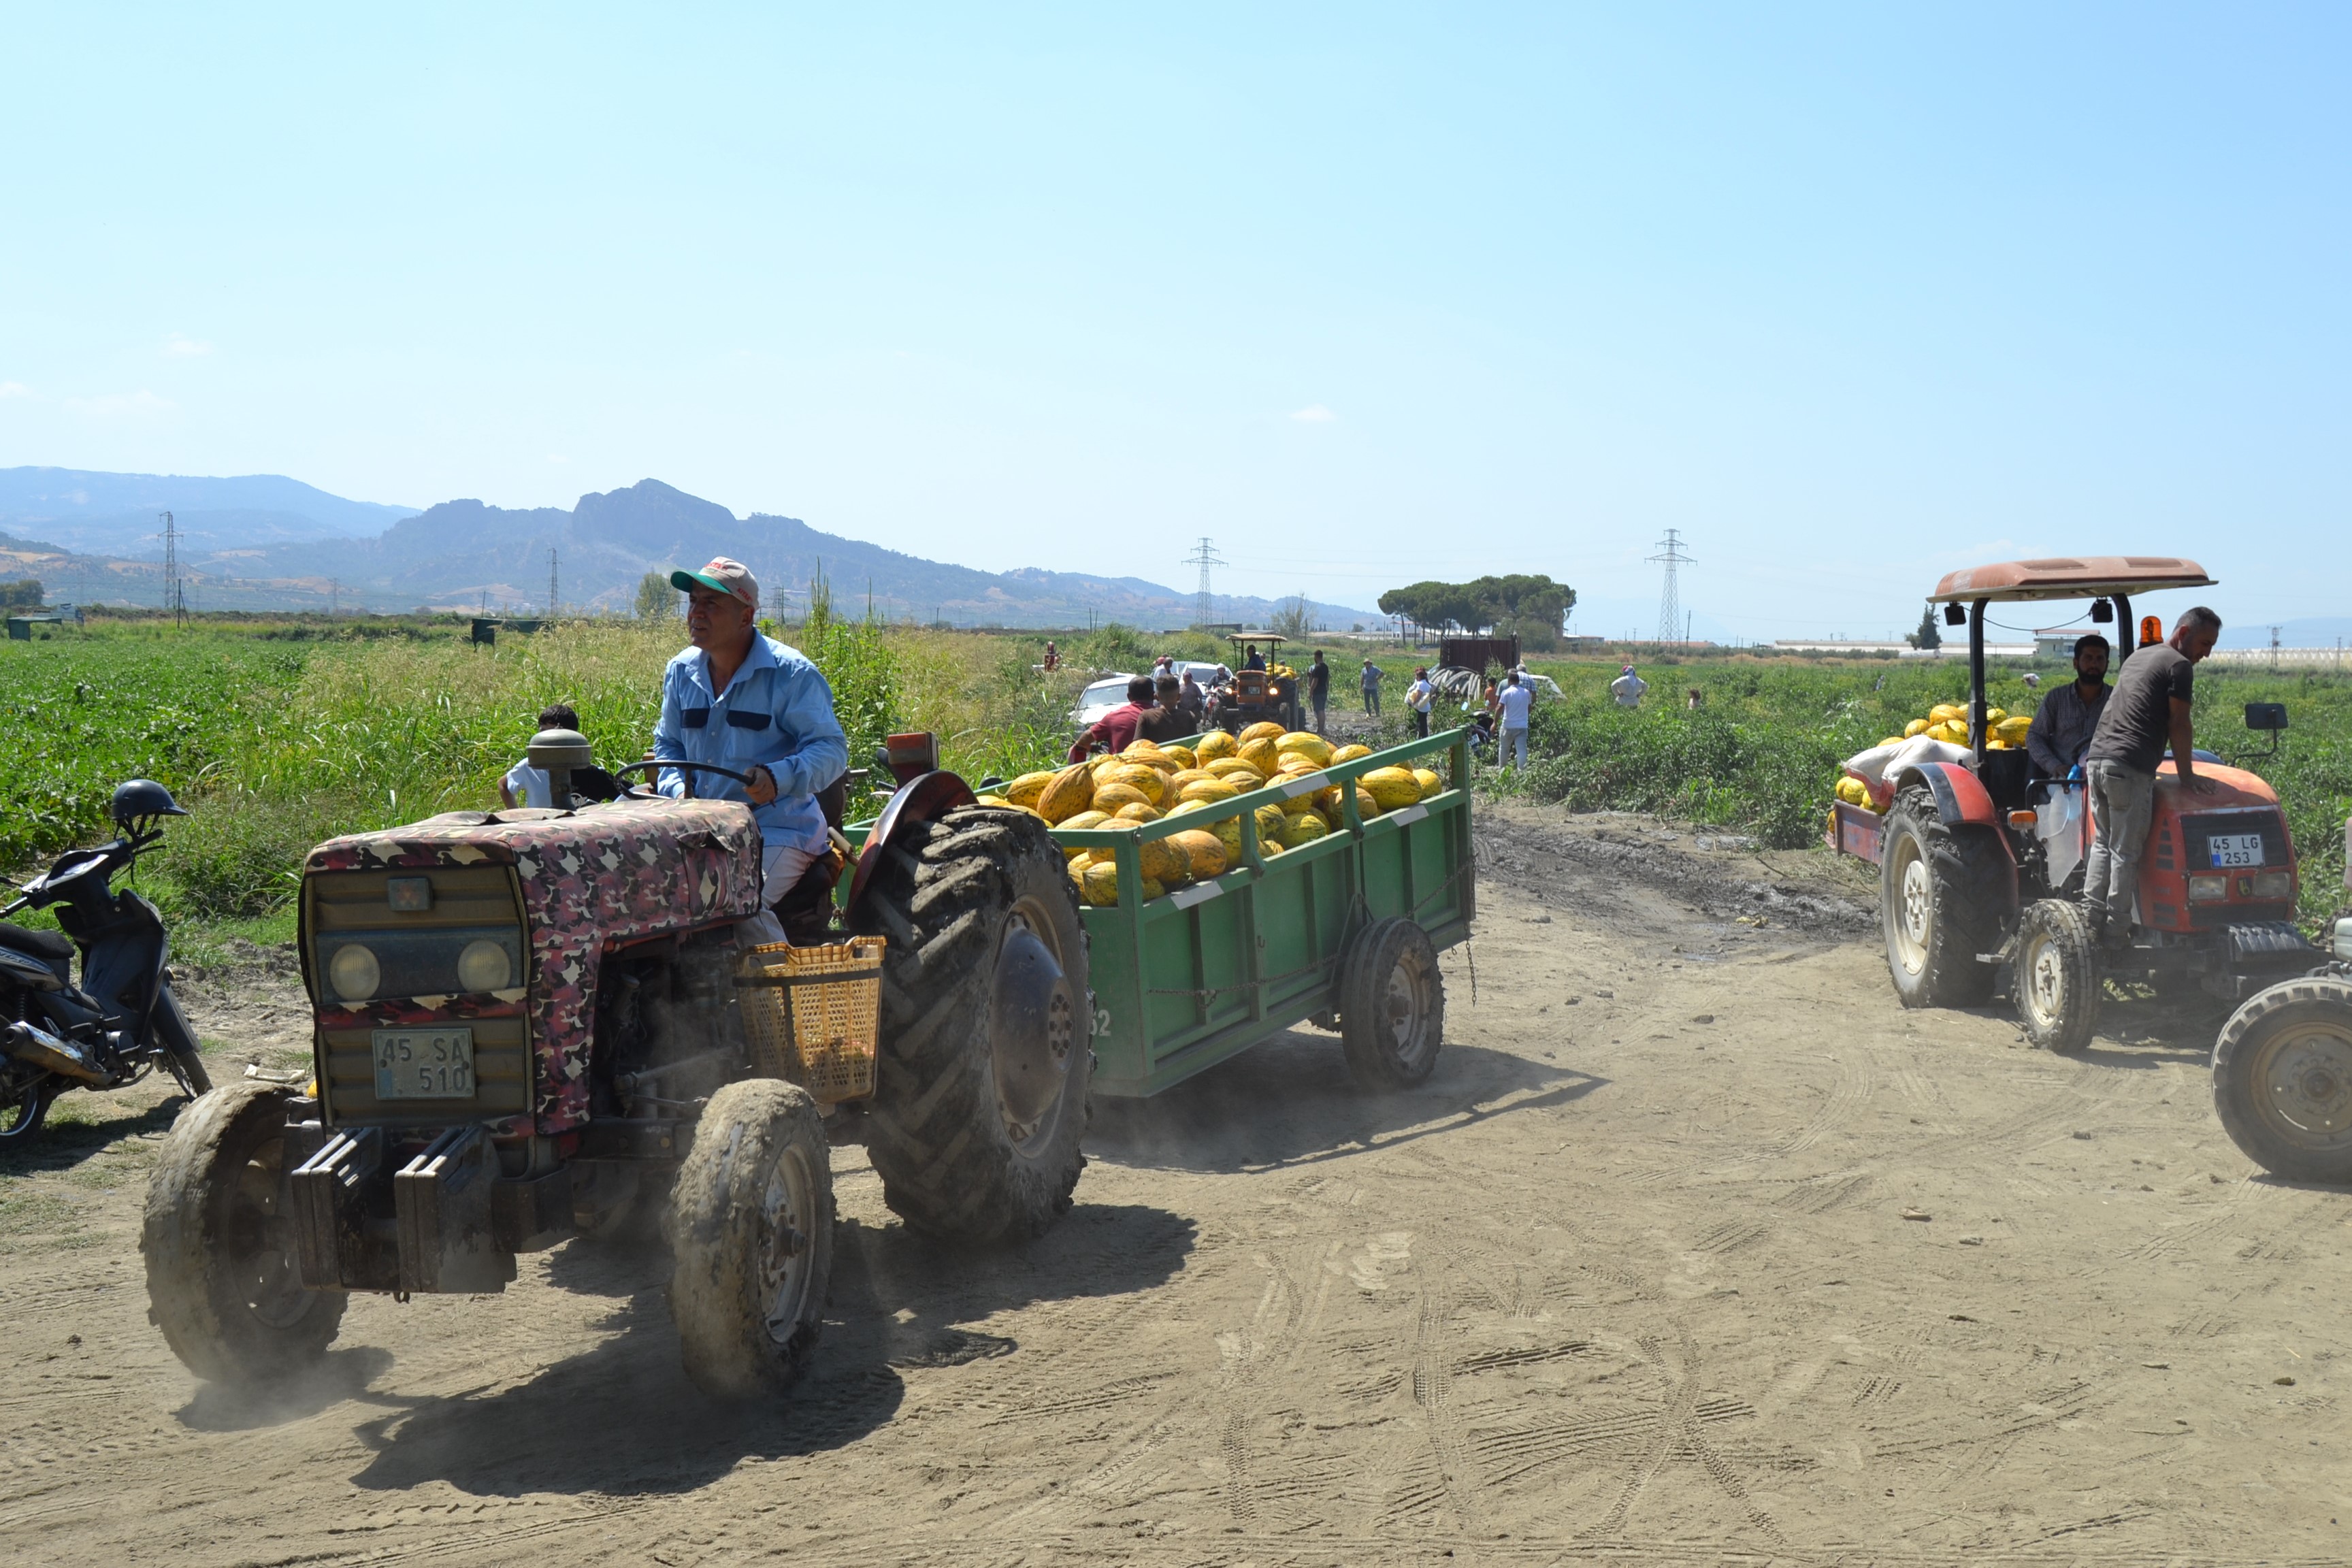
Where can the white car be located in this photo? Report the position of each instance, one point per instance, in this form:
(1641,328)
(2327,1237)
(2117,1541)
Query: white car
(1098,698)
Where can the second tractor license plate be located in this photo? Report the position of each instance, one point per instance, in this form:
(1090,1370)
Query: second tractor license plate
(424,1064)
(2231,851)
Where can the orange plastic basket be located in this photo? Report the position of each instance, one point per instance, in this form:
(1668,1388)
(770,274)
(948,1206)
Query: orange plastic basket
(813,1015)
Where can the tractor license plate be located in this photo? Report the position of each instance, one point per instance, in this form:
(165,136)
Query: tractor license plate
(424,1064)
(2233,850)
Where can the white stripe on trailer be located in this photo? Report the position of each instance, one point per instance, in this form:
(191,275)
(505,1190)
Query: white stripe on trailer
(1199,893)
(1408,813)
(1306,784)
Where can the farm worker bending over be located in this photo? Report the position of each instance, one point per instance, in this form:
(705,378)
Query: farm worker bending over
(2150,708)
(1115,730)
(742,700)
(2064,724)
(1628,688)
(1513,703)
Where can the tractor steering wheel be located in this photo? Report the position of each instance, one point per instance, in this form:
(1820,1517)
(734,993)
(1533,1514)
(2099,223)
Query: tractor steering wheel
(623,771)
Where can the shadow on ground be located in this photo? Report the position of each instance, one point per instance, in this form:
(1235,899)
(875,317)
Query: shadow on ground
(621,1419)
(1290,1102)
(91,1123)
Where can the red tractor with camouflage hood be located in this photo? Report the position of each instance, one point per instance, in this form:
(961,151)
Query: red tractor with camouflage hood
(534,1024)
(1982,863)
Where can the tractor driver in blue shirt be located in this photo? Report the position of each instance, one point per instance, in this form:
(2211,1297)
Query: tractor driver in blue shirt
(745,702)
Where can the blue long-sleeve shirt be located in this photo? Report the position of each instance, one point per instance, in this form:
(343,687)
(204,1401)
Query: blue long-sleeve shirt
(776,713)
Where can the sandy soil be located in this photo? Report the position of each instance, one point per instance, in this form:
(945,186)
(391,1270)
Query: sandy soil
(1696,1248)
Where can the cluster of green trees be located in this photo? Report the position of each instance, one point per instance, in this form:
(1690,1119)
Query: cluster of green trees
(22,594)
(1529,606)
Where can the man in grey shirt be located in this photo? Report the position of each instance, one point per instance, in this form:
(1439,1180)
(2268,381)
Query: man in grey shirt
(2149,708)
(2062,725)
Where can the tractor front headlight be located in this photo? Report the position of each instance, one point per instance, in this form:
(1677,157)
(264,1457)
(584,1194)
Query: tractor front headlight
(354,972)
(484,965)
(2274,884)
(2341,938)
(2208,890)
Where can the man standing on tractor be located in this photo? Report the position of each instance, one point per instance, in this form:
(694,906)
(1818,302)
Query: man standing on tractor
(2065,722)
(744,702)
(2149,708)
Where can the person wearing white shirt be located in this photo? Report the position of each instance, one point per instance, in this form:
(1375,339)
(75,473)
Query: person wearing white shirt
(1420,697)
(1512,702)
(1628,688)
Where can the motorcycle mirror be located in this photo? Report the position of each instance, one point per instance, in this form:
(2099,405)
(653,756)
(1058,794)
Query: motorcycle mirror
(1955,615)
(2265,716)
(142,798)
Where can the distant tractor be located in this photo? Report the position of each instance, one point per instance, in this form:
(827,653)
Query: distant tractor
(1269,694)
(1980,863)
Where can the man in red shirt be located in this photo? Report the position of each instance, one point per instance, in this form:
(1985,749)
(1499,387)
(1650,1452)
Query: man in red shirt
(1115,730)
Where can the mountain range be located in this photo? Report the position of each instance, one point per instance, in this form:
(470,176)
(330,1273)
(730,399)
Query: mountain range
(269,543)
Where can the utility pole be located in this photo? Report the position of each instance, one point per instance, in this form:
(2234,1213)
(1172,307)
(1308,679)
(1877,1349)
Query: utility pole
(334,596)
(1670,555)
(1205,602)
(175,600)
(551,583)
(2275,647)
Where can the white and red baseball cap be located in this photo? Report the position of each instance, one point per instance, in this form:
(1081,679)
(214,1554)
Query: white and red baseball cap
(721,575)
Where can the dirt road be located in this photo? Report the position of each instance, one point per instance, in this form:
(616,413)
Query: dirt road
(1696,1250)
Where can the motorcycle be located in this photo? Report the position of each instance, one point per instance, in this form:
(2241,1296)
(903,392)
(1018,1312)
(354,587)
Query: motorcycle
(122,1021)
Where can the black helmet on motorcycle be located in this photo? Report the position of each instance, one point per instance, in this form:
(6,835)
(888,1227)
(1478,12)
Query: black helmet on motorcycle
(144,799)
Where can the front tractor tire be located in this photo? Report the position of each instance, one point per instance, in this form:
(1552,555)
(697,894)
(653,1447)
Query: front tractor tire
(222,1280)
(1938,902)
(2056,982)
(752,1233)
(981,1086)
(2282,1079)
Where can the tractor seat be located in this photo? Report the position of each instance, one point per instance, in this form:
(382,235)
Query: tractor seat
(48,946)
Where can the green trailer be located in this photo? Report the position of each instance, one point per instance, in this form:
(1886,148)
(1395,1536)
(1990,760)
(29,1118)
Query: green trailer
(1345,929)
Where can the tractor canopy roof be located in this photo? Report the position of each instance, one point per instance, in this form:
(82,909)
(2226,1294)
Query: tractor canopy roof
(2069,577)
(1256,636)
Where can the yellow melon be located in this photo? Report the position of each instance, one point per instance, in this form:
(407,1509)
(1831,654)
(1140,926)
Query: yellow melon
(1430,783)
(1917,727)
(1260,754)
(1207,789)
(1304,829)
(1139,747)
(994,800)
(1070,792)
(1392,788)
(1221,766)
(1305,744)
(1228,830)
(1134,811)
(1944,710)
(1349,753)
(1214,744)
(1152,888)
(1261,731)
(1099,884)
(1299,803)
(1269,823)
(1083,819)
(1204,851)
(1025,789)
(1150,782)
(1182,756)
(1111,796)
(1177,780)
(1164,862)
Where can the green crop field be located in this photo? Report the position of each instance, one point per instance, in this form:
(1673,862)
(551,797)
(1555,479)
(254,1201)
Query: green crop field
(280,733)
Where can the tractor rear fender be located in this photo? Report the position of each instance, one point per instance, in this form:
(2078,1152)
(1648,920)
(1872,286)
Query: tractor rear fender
(1961,802)
(923,799)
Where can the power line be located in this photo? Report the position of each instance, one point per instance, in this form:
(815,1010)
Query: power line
(1670,555)
(551,583)
(175,598)
(1204,603)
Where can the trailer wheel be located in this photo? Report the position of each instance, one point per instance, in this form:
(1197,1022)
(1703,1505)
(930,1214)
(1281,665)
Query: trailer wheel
(222,1282)
(1392,1006)
(1936,902)
(2282,1079)
(752,1228)
(979,1094)
(2057,976)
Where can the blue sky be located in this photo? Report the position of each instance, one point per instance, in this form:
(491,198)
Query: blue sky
(1850,296)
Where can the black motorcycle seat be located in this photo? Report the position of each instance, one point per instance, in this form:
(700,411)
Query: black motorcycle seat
(48,945)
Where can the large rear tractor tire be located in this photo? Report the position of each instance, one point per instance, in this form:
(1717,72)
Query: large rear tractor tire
(1392,1006)
(2057,987)
(752,1230)
(1938,902)
(222,1280)
(2282,1079)
(980,1087)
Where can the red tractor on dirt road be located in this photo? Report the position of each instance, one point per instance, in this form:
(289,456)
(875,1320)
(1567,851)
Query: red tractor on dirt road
(531,1024)
(1980,863)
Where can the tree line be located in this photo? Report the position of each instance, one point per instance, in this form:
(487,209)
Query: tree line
(1531,607)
